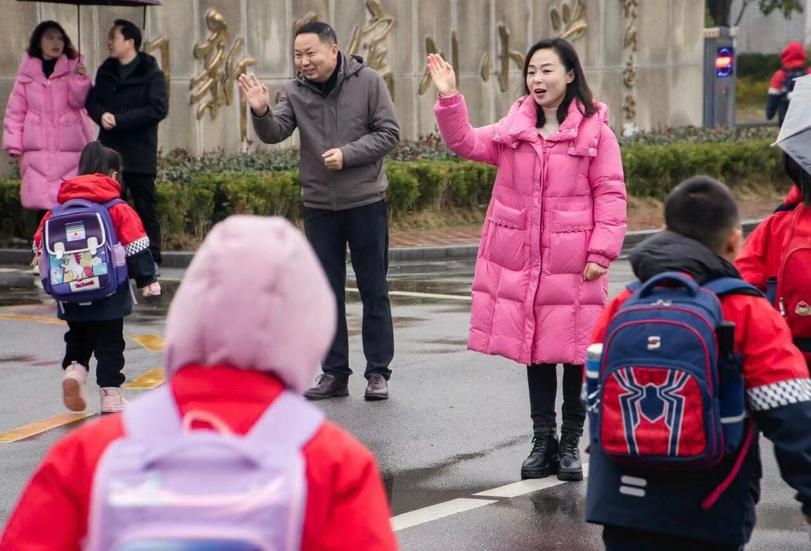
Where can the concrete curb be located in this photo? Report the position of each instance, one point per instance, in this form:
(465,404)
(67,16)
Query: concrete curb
(182,259)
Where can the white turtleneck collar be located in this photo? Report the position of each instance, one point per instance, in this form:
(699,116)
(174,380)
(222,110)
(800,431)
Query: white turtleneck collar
(551,124)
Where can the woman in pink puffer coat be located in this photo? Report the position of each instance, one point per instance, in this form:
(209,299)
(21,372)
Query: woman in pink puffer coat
(555,222)
(46,124)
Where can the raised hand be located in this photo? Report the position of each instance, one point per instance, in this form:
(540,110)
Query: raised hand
(442,74)
(255,92)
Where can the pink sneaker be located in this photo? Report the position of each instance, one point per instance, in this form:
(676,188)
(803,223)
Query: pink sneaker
(112,399)
(73,387)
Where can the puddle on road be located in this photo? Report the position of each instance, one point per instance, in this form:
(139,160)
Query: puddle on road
(408,490)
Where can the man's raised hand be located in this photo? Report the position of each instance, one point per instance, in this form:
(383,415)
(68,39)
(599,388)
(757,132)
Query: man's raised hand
(255,92)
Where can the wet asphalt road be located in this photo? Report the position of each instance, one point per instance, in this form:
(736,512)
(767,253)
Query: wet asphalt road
(456,424)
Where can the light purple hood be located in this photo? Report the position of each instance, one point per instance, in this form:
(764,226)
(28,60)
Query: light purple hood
(254,297)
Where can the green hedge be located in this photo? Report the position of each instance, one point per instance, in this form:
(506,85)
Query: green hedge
(757,66)
(189,208)
(750,92)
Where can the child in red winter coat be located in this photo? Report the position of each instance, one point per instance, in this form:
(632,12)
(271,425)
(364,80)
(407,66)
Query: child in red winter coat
(239,344)
(781,85)
(97,328)
(775,257)
(712,507)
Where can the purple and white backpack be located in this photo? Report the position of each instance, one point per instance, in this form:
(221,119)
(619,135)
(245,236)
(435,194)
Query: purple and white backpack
(82,260)
(165,486)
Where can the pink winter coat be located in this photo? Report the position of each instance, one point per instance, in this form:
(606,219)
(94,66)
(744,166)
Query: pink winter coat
(556,204)
(47,124)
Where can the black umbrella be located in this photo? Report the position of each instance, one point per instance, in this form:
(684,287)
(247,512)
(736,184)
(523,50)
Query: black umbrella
(80,3)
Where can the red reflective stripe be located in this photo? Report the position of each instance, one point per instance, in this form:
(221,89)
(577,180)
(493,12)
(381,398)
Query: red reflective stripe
(711,499)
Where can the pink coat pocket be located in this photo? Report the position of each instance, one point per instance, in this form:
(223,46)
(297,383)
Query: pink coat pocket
(506,236)
(568,240)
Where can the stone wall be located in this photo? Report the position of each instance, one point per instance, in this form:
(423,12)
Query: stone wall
(642,58)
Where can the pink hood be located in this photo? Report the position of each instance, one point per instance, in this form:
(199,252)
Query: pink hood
(255,297)
(31,67)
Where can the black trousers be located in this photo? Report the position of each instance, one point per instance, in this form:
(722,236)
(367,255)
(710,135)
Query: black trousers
(543,386)
(142,189)
(105,340)
(616,538)
(366,231)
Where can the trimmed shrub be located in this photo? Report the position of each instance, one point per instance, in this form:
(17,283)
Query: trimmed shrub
(750,92)
(653,166)
(757,66)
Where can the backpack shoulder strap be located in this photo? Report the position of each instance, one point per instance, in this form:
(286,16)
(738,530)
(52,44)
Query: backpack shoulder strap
(112,202)
(782,207)
(635,286)
(153,416)
(289,421)
(731,286)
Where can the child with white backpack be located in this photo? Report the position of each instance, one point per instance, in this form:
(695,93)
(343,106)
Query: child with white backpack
(89,247)
(227,454)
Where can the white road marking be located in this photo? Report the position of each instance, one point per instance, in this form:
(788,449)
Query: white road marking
(440,510)
(460,505)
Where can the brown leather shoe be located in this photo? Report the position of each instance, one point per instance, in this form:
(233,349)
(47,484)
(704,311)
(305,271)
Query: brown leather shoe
(326,386)
(377,389)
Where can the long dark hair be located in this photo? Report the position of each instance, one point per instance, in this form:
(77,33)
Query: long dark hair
(98,159)
(799,176)
(578,88)
(35,44)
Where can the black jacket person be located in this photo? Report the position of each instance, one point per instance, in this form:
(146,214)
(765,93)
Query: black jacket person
(132,89)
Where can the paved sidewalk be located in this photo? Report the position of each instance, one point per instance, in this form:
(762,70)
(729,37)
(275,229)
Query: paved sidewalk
(467,235)
(424,245)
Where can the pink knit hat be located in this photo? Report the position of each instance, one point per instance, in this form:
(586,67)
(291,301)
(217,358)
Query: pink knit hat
(254,297)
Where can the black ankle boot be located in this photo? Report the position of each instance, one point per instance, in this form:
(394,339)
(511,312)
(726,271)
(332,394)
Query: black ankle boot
(570,467)
(543,459)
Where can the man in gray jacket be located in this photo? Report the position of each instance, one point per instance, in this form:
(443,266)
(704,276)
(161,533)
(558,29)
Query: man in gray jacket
(346,124)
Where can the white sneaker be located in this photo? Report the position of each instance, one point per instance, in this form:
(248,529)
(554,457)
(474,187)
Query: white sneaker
(73,383)
(35,265)
(112,399)
(152,290)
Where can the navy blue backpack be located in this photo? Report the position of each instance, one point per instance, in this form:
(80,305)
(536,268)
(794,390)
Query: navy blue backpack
(670,389)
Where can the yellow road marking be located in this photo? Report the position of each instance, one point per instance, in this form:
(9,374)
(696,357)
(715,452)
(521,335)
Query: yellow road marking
(39,427)
(30,317)
(150,379)
(153,343)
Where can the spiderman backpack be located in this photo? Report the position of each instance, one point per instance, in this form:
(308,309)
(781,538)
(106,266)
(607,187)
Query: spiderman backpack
(670,391)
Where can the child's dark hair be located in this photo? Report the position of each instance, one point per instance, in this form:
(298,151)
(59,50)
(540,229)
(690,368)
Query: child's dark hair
(98,159)
(129,31)
(702,208)
(799,176)
(35,43)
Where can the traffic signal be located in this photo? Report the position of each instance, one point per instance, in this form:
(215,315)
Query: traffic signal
(724,62)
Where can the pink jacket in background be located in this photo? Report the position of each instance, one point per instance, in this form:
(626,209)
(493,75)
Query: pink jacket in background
(556,204)
(47,124)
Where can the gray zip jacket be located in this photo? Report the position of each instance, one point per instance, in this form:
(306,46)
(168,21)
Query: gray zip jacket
(357,117)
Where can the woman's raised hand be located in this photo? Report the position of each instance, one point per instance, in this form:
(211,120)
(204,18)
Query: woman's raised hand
(442,74)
